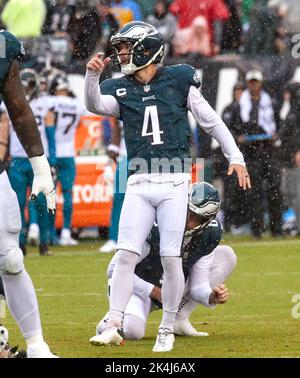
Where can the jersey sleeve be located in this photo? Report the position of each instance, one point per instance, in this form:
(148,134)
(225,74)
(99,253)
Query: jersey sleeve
(14,47)
(188,76)
(95,100)
(10,49)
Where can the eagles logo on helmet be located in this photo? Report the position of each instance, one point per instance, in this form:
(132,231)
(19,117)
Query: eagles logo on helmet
(204,201)
(146,46)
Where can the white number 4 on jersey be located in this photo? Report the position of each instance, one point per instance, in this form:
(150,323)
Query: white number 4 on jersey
(151,115)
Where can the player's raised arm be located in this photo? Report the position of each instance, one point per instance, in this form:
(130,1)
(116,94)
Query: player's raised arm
(214,126)
(27,131)
(94,101)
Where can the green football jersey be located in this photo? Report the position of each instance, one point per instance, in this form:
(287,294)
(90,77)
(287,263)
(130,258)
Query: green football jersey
(155,118)
(10,48)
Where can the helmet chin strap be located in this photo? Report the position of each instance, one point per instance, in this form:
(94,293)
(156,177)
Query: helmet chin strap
(131,68)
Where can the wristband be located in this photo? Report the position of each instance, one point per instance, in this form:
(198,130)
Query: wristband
(113,148)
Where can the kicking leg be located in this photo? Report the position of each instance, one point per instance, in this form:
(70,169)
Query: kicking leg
(137,218)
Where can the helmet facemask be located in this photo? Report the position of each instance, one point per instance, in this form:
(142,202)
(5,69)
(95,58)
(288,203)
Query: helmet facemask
(145,47)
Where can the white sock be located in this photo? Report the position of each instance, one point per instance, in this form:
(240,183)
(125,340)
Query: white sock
(172,290)
(121,287)
(37,339)
(22,303)
(186,307)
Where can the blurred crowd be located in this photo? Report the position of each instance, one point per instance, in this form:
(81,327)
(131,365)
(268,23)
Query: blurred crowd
(66,33)
(190,28)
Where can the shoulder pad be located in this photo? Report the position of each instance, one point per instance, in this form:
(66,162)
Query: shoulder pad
(186,73)
(10,47)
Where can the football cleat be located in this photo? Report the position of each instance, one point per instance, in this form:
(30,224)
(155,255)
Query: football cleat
(164,341)
(44,250)
(66,239)
(33,237)
(110,336)
(185,328)
(101,326)
(108,247)
(39,350)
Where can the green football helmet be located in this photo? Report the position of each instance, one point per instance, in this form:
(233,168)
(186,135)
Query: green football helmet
(204,201)
(146,46)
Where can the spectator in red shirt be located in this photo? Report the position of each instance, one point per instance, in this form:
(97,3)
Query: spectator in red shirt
(214,11)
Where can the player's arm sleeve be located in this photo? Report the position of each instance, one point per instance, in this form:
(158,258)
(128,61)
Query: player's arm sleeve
(200,289)
(210,122)
(94,101)
(20,113)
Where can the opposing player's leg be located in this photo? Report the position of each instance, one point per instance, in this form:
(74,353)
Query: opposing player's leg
(136,221)
(66,176)
(171,219)
(20,177)
(19,291)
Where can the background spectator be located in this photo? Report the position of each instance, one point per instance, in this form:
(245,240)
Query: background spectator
(265,33)
(24,18)
(193,41)
(164,21)
(233,217)
(231,34)
(59,16)
(214,11)
(255,133)
(126,11)
(290,151)
(90,30)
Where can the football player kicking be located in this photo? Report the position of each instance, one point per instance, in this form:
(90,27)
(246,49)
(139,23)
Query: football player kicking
(206,266)
(153,103)
(20,294)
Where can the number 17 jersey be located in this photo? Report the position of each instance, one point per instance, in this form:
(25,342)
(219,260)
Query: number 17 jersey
(68,111)
(154,114)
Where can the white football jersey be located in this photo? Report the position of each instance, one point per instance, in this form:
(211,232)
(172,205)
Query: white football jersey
(40,107)
(68,111)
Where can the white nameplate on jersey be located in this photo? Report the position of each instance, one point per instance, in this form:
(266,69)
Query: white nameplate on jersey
(121,92)
(149,98)
(147,88)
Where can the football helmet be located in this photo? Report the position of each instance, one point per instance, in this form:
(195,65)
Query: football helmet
(57,80)
(30,82)
(204,201)
(146,46)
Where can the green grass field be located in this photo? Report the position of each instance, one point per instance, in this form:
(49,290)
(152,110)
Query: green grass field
(256,322)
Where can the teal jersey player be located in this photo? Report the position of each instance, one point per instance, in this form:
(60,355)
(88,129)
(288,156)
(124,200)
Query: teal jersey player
(155,114)
(153,103)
